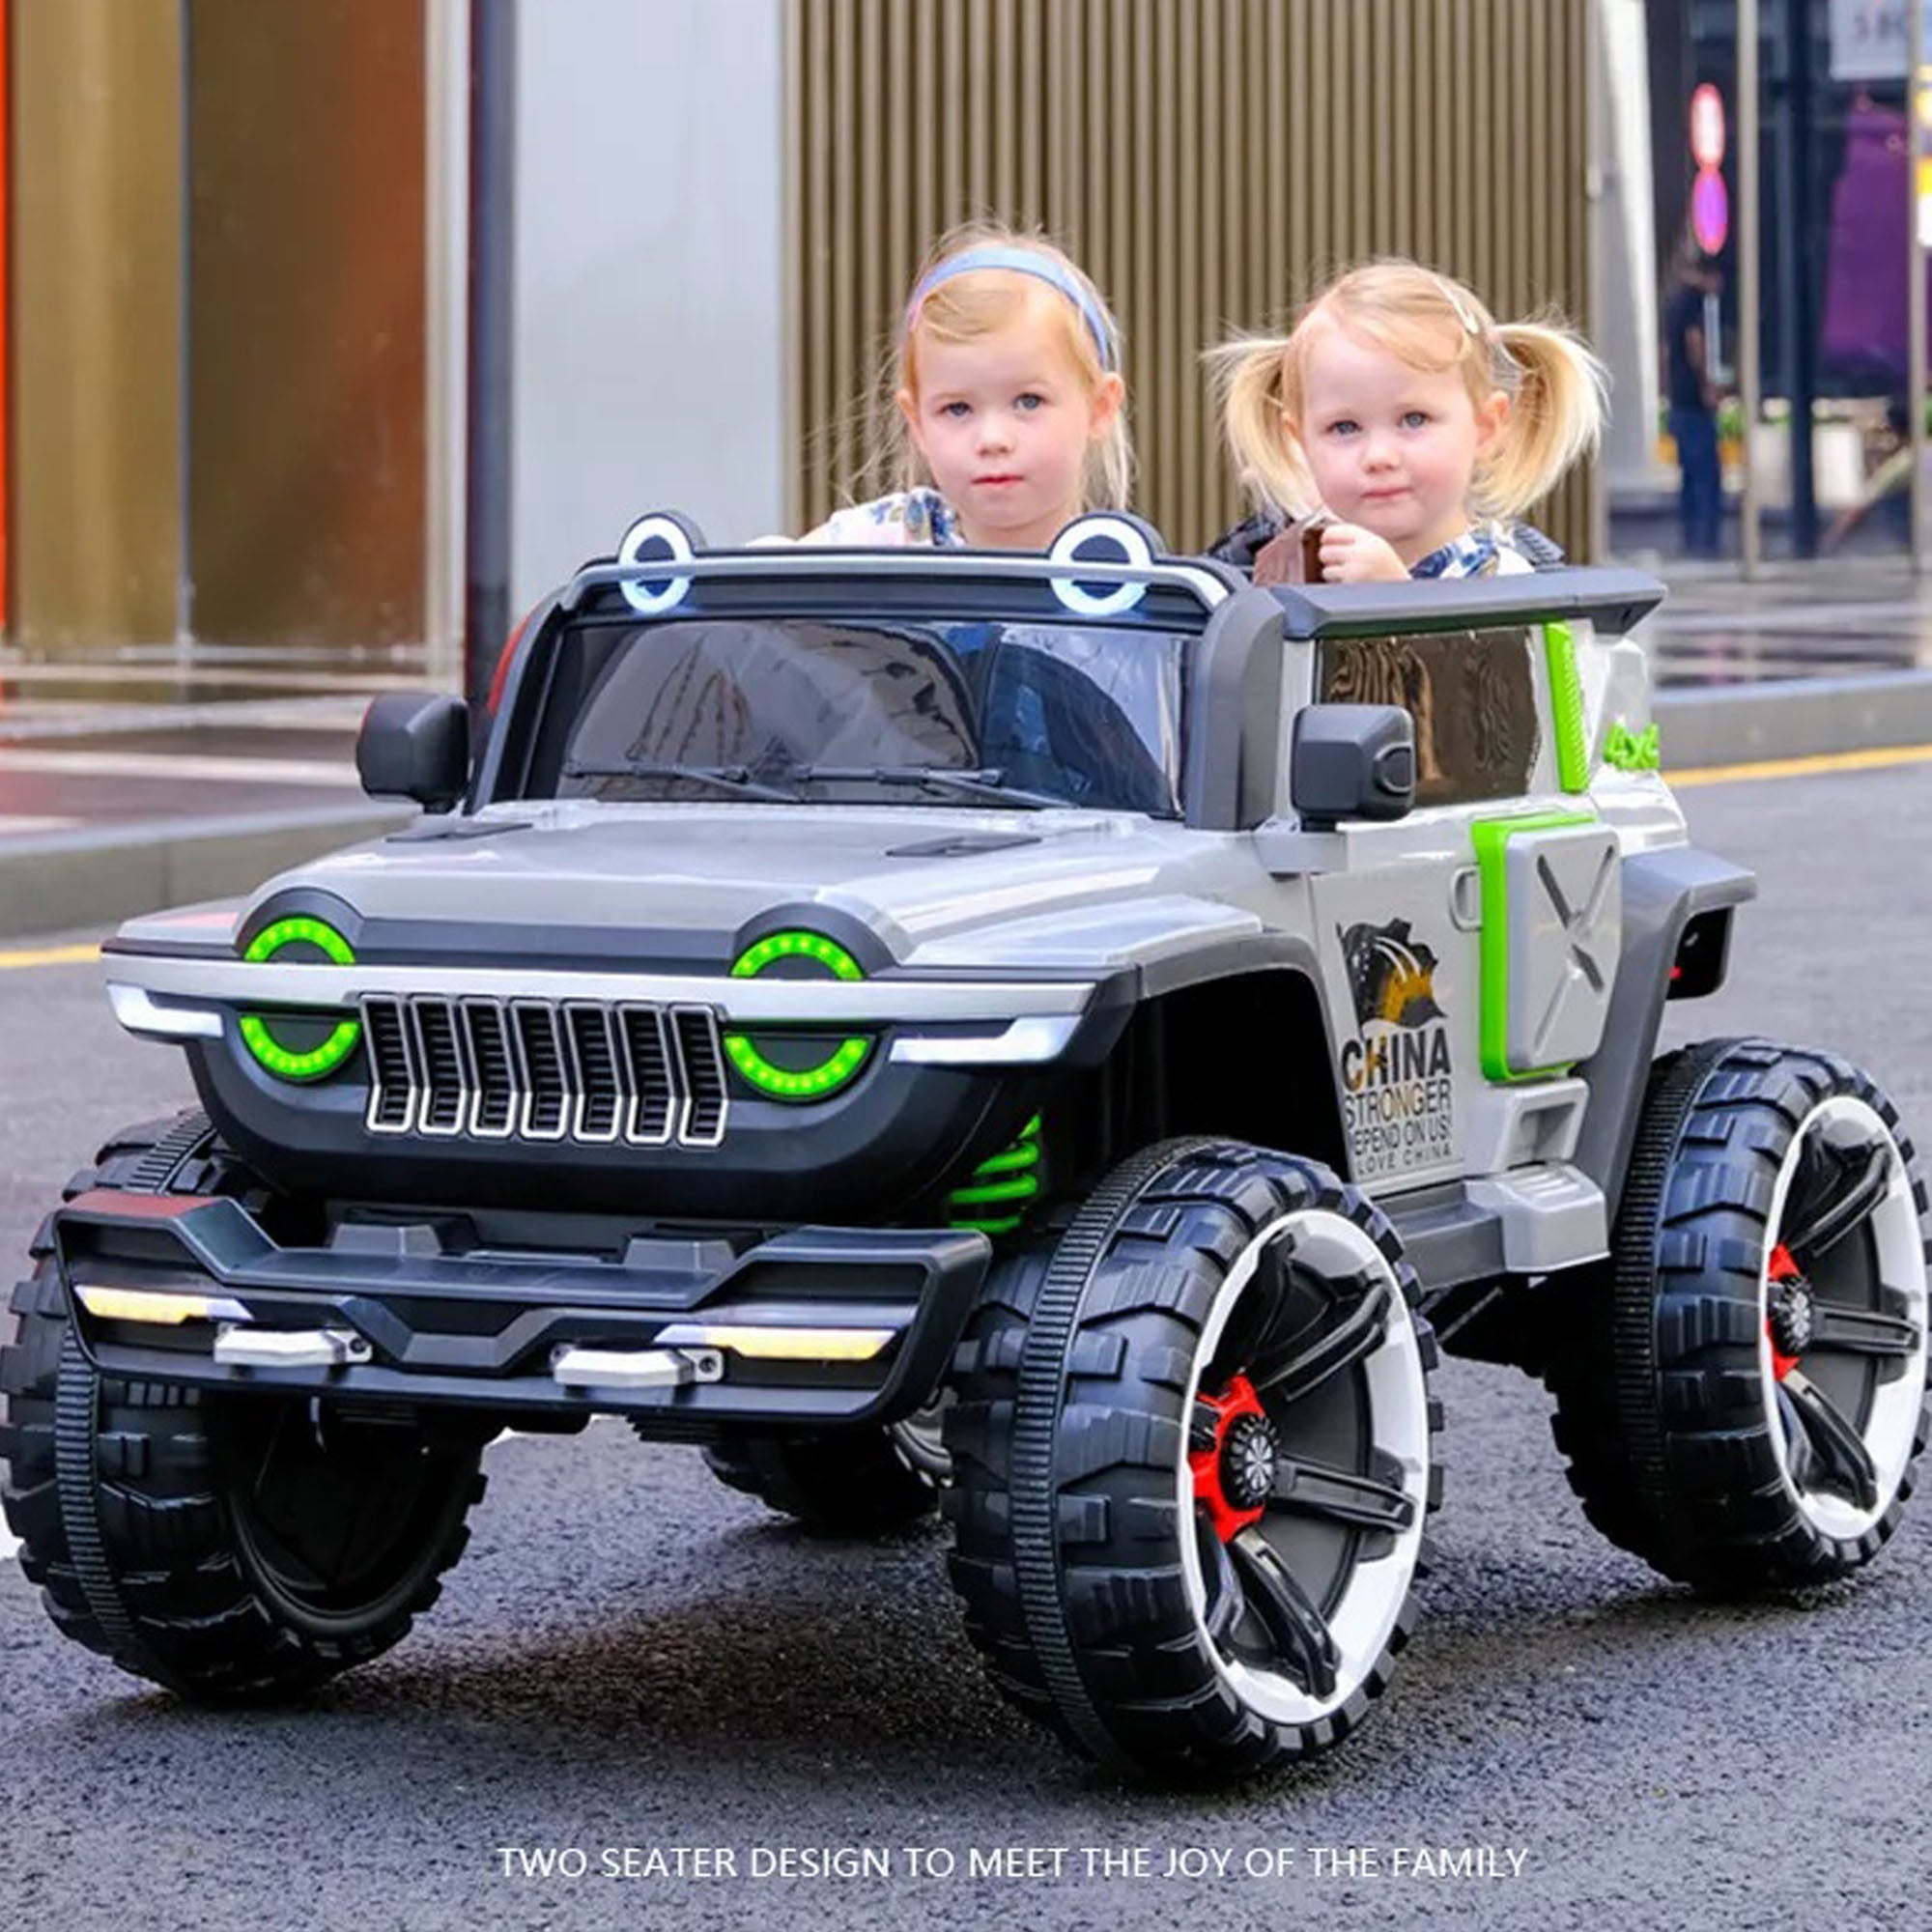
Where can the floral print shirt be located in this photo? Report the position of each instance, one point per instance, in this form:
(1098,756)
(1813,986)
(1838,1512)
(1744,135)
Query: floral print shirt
(909,518)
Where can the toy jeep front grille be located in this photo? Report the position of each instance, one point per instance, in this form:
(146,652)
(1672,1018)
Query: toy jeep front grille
(545,1070)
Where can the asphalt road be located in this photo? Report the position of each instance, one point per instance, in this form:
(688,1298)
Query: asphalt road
(631,1657)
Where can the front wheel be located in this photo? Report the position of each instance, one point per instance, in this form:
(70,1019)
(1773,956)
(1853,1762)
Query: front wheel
(1194,1454)
(230,1548)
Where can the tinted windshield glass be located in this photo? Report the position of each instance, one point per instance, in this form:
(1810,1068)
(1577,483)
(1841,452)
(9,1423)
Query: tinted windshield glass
(1078,713)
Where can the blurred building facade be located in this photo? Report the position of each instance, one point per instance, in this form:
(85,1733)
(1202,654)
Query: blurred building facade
(1833,173)
(237,258)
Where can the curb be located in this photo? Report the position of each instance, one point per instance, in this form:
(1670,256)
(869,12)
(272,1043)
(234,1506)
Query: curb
(102,875)
(1792,717)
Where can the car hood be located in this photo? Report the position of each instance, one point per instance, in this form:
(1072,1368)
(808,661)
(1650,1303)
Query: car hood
(939,886)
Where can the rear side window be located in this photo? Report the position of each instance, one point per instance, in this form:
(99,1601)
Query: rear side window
(1473,696)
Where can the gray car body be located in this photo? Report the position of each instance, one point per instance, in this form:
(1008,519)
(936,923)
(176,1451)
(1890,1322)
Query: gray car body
(1024,944)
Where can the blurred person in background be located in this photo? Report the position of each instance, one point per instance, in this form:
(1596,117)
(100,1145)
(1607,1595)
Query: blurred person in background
(1693,404)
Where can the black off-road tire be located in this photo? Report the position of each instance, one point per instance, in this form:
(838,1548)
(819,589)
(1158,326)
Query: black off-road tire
(1772,1199)
(1096,1584)
(850,1483)
(136,1504)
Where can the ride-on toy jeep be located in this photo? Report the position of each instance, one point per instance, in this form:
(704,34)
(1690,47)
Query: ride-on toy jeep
(1058,1037)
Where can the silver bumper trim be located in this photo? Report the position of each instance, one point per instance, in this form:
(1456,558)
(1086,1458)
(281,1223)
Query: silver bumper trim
(743,1002)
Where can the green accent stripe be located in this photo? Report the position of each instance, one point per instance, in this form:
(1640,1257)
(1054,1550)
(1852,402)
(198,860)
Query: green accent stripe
(1565,707)
(1491,837)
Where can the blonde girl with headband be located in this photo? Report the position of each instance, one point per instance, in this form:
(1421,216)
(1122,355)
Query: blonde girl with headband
(1411,420)
(1008,417)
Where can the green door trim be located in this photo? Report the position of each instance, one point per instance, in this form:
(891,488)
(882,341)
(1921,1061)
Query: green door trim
(1490,838)
(1565,707)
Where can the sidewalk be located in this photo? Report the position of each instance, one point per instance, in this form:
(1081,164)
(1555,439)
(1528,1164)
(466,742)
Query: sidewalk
(145,780)
(152,778)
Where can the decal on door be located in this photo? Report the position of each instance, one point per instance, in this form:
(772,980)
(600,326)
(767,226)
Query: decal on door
(1397,1091)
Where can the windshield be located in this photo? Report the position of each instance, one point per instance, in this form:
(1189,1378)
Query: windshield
(976,713)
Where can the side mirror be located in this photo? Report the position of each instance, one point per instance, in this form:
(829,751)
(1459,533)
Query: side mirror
(1352,762)
(414,744)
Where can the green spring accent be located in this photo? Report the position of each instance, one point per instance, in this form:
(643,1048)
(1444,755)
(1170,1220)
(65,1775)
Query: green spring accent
(1566,705)
(1004,1177)
(321,1061)
(1021,1154)
(1020,1187)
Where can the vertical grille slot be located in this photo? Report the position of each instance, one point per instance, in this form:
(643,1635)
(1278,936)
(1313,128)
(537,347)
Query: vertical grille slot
(545,1093)
(600,1094)
(653,1109)
(531,1070)
(494,1110)
(445,1081)
(701,1062)
(392,1096)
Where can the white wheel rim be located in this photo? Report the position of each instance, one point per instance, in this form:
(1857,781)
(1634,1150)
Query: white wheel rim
(1362,1621)
(1892,1423)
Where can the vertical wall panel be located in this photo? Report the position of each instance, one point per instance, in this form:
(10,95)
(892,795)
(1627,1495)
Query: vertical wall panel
(95,289)
(1205,160)
(306,379)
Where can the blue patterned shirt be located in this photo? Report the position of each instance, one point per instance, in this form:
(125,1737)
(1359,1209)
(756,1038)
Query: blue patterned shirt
(1483,549)
(908,517)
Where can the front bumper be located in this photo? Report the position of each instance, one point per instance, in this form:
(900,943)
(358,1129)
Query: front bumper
(815,1327)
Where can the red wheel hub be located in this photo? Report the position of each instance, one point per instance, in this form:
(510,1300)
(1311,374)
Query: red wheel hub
(1787,1319)
(1232,1457)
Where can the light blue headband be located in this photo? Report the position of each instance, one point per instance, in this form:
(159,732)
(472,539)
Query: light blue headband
(1019,262)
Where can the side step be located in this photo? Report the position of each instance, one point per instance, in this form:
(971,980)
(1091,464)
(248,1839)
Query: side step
(1525,1221)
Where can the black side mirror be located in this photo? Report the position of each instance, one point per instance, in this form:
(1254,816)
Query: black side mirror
(1353,761)
(414,744)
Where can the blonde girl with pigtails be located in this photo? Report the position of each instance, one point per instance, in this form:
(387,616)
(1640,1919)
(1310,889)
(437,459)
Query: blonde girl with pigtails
(1008,416)
(1408,423)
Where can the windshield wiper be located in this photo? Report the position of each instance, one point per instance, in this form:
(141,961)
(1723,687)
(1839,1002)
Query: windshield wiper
(986,783)
(735,778)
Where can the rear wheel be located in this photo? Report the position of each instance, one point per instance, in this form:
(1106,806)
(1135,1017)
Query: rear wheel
(1745,1399)
(227,1546)
(858,1482)
(1194,1456)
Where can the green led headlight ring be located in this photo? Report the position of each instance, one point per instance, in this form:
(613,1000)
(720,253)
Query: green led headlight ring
(319,1061)
(805,1083)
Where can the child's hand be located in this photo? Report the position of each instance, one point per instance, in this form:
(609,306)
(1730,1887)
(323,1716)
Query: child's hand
(1352,555)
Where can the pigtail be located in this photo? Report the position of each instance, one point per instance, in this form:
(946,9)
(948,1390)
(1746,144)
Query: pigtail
(1556,416)
(1248,375)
